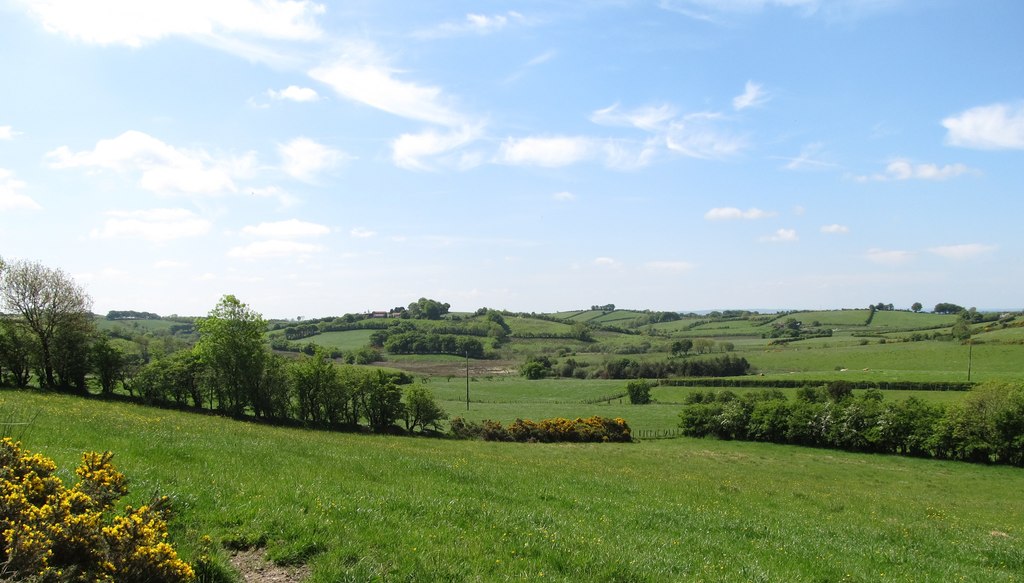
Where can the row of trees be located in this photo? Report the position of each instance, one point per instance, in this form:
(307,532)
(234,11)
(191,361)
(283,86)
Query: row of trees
(988,426)
(231,370)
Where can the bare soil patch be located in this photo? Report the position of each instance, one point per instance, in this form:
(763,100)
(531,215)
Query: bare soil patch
(254,567)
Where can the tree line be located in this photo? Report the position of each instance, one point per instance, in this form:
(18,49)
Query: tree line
(49,335)
(987,427)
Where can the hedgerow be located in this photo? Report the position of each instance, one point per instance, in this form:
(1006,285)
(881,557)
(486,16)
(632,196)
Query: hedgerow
(50,533)
(557,429)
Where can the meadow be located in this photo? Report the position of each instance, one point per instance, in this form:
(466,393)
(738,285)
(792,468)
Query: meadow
(368,507)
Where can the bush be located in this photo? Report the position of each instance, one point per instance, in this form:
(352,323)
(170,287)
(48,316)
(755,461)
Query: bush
(53,533)
(639,392)
(557,429)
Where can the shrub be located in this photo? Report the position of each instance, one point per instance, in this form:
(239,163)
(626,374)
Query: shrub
(639,392)
(557,429)
(53,533)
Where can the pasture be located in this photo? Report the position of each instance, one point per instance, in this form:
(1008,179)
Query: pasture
(364,507)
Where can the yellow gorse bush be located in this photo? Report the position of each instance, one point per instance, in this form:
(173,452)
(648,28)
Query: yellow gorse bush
(50,533)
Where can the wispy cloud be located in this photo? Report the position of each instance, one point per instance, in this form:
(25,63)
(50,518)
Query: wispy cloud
(550,152)
(564,196)
(835,229)
(902,169)
(781,236)
(605,262)
(7,133)
(364,77)
(719,11)
(698,136)
(889,257)
(963,252)
(290,229)
(304,158)
(732,213)
(131,23)
(362,233)
(652,118)
(11,198)
(162,168)
(294,93)
(670,266)
(809,158)
(753,95)
(990,127)
(480,24)
(155,225)
(419,151)
(273,249)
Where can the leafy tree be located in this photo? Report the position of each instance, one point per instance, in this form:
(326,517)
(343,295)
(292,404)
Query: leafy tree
(16,353)
(683,347)
(961,329)
(51,306)
(639,392)
(947,308)
(231,349)
(108,363)
(916,307)
(316,384)
(427,309)
(839,391)
(422,410)
(380,400)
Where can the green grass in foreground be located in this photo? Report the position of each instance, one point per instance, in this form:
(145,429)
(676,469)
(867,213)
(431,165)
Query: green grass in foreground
(362,507)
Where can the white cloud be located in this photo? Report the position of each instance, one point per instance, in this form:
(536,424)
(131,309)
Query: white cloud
(674,266)
(697,136)
(303,158)
(650,118)
(273,248)
(163,168)
(11,199)
(294,93)
(564,196)
(360,75)
(284,198)
(410,151)
(901,169)
(809,158)
(605,262)
(480,24)
(733,213)
(550,152)
(835,229)
(889,257)
(990,127)
(7,133)
(156,225)
(290,229)
(134,23)
(963,252)
(781,236)
(361,233)
(558,151)
(752,96)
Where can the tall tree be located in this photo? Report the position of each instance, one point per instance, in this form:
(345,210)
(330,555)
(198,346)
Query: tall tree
(231,348)
(51,306)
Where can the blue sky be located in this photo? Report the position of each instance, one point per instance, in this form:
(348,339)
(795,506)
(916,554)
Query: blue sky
(318,158)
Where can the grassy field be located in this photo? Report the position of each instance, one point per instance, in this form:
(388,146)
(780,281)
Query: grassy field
(362,507)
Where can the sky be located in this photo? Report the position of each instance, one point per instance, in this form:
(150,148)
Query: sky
(316,158)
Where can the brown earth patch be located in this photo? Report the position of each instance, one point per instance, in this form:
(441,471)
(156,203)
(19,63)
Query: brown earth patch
(254,567)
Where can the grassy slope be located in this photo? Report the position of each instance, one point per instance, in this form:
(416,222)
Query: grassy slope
(368,507)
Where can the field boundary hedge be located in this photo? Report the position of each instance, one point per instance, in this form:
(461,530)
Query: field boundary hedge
(761,383)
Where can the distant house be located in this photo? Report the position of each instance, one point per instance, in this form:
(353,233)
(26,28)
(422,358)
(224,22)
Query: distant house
(378,314)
